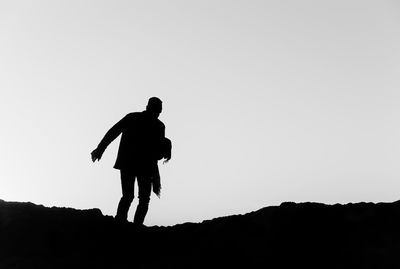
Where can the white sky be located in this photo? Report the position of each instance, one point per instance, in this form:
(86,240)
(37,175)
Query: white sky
(265,101)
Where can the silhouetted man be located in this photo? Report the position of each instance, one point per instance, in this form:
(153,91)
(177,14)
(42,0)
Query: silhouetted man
(142,144)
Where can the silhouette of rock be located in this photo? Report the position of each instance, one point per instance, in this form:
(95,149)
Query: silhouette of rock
(306,235)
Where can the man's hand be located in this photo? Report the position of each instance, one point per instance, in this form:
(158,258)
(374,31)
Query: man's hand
(96,155)
(166,160)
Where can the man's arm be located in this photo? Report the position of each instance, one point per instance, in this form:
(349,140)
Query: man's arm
(113,133)
(168,149)
(166,145)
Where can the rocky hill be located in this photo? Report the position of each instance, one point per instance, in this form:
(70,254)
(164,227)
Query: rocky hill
(306,235)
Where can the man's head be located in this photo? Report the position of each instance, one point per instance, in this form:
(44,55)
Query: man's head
(154,106)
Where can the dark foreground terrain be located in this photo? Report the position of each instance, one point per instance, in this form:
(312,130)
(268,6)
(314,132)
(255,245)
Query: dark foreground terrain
(307,235)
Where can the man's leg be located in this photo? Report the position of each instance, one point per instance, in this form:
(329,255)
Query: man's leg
(144,184)
(128,193)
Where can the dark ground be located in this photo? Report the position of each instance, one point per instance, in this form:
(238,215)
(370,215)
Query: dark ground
(307,235)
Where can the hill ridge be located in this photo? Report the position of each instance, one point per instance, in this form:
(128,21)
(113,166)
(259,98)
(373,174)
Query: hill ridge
(353,235)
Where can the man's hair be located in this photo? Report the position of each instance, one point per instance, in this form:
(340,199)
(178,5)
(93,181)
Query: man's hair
(154,104)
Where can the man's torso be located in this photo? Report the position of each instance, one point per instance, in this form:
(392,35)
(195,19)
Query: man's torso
(140,140)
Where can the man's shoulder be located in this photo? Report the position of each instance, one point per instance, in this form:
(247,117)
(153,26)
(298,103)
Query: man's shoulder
(133,115)
(160,123)
(142,117)
(130,118)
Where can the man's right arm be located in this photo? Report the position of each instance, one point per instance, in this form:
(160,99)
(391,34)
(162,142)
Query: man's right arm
(112,134)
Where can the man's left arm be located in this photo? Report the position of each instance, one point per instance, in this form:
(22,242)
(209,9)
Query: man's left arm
(112,134)
(165,140)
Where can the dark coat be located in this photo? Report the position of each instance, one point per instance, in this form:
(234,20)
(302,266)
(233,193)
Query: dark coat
(141,140)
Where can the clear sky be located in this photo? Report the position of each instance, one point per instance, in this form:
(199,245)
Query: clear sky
(265,101)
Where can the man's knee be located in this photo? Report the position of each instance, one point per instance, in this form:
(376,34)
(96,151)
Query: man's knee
(144,200)
(128,198)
